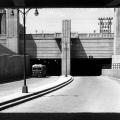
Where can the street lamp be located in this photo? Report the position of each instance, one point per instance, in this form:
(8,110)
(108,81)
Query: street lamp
(25,88)
(12,13)
(66,57)
(36,12)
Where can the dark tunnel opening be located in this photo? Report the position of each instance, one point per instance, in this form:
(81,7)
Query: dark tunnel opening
(79,67)
(53,65)
(89,66)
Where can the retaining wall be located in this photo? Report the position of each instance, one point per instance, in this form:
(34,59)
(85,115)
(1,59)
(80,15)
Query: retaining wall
(111,72)
(82,46)
(11,67)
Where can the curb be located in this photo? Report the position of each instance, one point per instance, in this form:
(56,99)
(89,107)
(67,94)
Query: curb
(113,78)
(16,101)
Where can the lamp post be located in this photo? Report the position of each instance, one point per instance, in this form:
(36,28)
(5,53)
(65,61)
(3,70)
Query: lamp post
(25,88)
(66,57)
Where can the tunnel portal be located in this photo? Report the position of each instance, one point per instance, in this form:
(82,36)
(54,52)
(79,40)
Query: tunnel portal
(79,67)
(89,66)
(53,65)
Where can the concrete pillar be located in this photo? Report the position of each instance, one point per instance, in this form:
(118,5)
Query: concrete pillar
(66,30)
(12,24)
(3,23)
(116,43)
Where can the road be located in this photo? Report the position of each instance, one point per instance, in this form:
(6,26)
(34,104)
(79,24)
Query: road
(84,94)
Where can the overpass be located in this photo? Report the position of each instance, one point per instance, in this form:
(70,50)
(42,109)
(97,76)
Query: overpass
(64,50)
(47,48)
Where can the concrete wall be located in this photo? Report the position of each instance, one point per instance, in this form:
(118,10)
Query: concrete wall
(3,40)
(12,30)
(11,67)
(111,73)
(98,48)
(82,45)
(3,46)
(42,46)
(11,64)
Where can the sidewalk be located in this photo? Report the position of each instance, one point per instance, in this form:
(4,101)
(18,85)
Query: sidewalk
(12,92)
(16,87)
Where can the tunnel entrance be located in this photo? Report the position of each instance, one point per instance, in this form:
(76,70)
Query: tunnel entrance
(53,65)
(79,67)
(89,66)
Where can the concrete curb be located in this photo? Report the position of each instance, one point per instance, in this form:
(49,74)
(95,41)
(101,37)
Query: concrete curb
(38,93)
(113,78)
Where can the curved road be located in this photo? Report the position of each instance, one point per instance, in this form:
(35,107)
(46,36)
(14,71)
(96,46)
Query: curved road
(84,94)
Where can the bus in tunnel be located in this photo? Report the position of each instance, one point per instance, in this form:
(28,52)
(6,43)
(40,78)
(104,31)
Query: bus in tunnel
(53,66)
(79,67)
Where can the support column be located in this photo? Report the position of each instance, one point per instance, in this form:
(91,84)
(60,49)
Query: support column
(12,24)
(66,32)
(116,43)
(3,23)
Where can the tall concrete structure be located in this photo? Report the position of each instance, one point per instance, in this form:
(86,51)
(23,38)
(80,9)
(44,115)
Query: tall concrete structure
(12,33)
(115,71)
(65,56)
(116,42)
(3,22)
(11,63)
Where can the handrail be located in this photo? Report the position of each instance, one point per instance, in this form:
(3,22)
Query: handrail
(73,35)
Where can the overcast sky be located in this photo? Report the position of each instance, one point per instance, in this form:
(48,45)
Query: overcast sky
(83,20)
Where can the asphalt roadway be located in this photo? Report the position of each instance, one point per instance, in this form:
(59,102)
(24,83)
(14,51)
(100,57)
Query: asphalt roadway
(94,94)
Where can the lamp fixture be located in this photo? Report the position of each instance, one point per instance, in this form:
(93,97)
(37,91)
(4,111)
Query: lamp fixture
(12,13)
(36,12)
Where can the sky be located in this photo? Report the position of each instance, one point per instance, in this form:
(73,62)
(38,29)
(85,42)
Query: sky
(49,20)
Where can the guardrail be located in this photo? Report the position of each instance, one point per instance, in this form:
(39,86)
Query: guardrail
(73,35)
